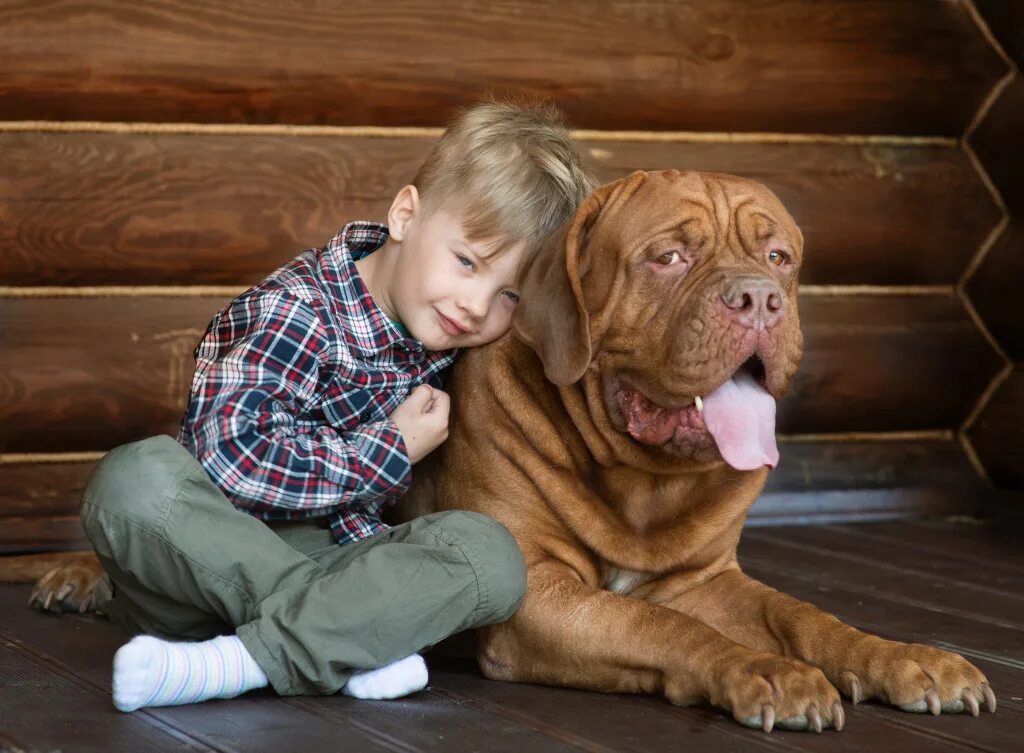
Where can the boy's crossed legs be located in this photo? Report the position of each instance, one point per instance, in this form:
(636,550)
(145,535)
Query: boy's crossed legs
(308,615)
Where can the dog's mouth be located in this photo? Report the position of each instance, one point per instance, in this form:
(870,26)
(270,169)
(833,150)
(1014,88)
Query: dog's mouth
(738,415)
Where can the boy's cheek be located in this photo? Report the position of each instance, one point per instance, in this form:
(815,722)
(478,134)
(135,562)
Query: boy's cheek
(492,333)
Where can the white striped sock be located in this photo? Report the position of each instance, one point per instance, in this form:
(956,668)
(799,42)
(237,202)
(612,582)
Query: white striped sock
(152,672)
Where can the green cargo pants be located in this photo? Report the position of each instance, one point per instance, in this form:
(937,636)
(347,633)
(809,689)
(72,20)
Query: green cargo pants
(186,564)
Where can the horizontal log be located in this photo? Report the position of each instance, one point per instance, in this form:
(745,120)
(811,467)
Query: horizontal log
(815,482)
(42,533)
(825,466)
(55,488)
(41,488)
(861,505)
(833,482)
(111,209)
(847,66)
(874,363)
(89,374)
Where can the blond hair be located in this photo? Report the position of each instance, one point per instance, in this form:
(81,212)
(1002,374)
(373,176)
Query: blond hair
(510,170)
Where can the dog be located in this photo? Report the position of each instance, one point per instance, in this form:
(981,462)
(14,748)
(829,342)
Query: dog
(621,431)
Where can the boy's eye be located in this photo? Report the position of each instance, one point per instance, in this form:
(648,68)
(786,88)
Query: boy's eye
(513,297)
(467,263)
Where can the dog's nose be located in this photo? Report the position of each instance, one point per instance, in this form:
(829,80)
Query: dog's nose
(754,302)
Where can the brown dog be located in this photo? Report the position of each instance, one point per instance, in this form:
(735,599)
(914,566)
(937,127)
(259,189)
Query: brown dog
(581,432)
(622,432)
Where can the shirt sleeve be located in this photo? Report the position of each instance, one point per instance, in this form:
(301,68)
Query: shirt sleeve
(244,419)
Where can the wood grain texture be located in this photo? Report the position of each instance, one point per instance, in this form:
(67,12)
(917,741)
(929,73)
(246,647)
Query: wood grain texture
(79,375)
(995,289)
(42,533)
(886,362)
(32,489)
(105,209)
(998,434)
(93,374)
(846,66)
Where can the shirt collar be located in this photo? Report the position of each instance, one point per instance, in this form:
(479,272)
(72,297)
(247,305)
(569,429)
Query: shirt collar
(366,327)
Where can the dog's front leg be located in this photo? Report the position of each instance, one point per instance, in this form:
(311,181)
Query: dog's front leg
(909,675)
(572,634)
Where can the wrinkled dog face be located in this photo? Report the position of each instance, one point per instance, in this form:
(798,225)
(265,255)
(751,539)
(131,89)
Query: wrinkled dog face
(706,335)
(685,287)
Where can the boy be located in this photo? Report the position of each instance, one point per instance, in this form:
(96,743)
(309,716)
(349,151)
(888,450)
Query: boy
(314,393)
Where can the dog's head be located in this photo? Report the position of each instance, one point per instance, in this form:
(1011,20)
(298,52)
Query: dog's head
(678,292)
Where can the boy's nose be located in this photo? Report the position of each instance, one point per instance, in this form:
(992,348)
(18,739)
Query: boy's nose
(475,309)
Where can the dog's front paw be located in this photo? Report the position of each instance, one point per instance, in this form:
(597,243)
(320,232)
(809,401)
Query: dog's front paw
(67,588)
(766,691)
(917,678)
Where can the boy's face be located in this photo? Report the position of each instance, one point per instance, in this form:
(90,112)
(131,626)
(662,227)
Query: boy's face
(444,290)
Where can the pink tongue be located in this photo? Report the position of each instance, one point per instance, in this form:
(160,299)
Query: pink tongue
(741,417)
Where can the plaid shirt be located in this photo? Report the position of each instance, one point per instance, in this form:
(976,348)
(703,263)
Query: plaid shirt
(294,383)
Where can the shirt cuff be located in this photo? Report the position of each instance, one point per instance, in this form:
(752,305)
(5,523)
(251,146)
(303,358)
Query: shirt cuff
(387,471)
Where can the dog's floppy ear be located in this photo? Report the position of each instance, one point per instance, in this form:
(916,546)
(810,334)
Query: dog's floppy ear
(551,317)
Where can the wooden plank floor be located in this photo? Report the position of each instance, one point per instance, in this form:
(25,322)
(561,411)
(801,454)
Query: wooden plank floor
(958,585)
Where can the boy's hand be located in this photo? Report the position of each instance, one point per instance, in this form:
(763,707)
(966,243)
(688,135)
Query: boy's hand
(422,418)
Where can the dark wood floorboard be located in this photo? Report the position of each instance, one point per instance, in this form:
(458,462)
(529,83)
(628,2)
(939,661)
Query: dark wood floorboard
(989,542)
(956,585)
(1001,578)
(993,604)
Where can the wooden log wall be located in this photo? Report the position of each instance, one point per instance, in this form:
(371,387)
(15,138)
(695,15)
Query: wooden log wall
(996,141)
(159,157)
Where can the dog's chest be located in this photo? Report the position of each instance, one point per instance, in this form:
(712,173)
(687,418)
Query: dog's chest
(622,581)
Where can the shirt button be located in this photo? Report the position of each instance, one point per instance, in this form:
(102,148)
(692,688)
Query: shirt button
(365,417)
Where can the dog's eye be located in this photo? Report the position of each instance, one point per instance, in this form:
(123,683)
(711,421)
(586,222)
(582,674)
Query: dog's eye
(669,257)
(778,258)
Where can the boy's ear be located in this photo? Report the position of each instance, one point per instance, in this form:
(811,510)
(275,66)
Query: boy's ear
(403,209)
(551,316)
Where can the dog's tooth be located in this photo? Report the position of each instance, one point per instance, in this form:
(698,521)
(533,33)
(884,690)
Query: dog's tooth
(699,403)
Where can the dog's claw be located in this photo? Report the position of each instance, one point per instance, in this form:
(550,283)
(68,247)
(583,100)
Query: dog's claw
(971,702)
(814,718)
(765,720)
(990,698)
(838,716)
(856,692)
(934,704)
(65,591)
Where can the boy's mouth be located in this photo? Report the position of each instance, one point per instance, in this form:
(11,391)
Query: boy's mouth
(451,326)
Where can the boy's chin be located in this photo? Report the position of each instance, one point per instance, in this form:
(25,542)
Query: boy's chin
(435,341)
(447,342)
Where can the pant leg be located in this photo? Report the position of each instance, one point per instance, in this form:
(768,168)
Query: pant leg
(389,596)
(184,562)
(153,513)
